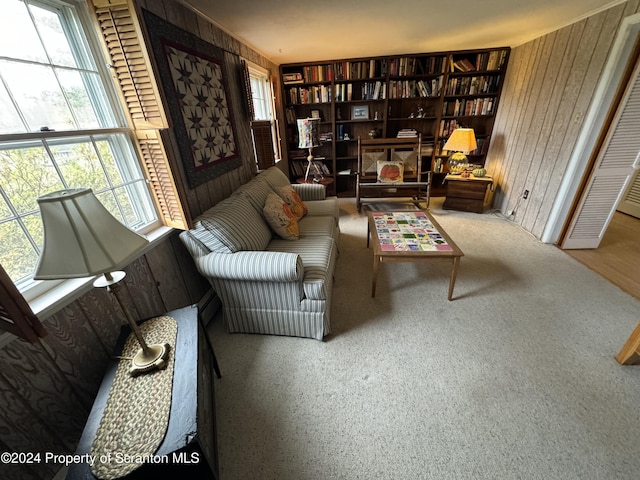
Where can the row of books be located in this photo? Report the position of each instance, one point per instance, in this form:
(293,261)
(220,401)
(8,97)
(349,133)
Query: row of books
(415,88)
(493,60)
(482,147)
(313,94)
(472,107)
(397,67)
(326,137)
(373,68)
(368,91)
(309,74)
(299,167)
(404,66)
(447,127)
(290,116)
(359,70)
(462,65)
(483,84)
(407,133)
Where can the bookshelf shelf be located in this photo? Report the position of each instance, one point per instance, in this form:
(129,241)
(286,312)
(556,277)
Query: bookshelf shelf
(430,93)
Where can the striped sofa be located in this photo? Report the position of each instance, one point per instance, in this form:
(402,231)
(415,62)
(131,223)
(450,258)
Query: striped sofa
(266,284)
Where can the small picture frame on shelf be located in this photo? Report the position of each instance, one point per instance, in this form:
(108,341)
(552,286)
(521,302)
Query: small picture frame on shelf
(315,114)
(360,112)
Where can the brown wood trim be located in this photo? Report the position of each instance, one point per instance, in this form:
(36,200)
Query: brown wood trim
(16,316)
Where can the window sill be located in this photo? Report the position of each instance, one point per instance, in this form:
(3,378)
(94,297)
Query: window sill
(67,291)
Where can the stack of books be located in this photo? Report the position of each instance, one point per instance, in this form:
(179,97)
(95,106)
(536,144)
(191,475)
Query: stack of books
(407,133)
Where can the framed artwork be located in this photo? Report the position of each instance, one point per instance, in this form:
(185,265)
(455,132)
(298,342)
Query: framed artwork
(192,77)
(360,112)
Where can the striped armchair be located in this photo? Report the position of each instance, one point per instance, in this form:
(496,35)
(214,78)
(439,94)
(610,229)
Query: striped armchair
(266,284)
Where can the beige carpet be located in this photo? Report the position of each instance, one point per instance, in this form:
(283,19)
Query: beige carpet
(514,379)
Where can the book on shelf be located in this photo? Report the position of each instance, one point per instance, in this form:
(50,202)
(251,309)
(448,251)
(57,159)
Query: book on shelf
(427,149)
(290,115)
(326,137)
(344,92)
(314,94)
(318,73)
(346,171)
(407,133)
(292,78)
(321,167)
(471,107)
(463,65)
(299,166)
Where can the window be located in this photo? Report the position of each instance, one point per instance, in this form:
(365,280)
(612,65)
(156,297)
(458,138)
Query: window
(263,125)
(260,93)
(60,127)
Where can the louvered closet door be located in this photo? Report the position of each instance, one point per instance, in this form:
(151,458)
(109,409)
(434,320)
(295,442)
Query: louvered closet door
(616,164)
(630,203)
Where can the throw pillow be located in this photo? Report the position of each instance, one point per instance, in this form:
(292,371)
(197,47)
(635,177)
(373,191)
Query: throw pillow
(289,195)
(280,218)
(390,172)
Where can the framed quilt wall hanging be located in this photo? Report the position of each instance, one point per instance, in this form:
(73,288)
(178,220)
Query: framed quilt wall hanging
(192,78)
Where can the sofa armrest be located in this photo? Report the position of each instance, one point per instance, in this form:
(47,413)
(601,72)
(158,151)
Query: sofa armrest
(310,191)
(252,266)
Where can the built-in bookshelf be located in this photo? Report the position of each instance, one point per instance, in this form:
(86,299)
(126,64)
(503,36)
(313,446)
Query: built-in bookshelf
(430,94)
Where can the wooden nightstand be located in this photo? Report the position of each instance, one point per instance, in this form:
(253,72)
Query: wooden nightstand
(466,194)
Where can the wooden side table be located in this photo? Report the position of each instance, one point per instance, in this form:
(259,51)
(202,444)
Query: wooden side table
(326,181)
(466,194)
(190,442)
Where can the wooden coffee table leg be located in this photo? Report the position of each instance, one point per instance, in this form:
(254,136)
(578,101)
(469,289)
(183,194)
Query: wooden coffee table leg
(376,261)
(368,234)
(454,274)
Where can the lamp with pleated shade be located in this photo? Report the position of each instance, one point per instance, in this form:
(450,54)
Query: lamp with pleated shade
(308,137)
(82,239)
(461,142)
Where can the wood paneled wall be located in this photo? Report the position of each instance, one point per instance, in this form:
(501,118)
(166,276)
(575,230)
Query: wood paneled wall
(205,196)
(47,389)
(548,88)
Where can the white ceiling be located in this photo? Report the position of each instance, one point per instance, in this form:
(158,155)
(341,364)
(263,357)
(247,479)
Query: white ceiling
(288,31)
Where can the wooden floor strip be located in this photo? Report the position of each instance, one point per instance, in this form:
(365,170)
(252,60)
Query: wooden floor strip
(618,257)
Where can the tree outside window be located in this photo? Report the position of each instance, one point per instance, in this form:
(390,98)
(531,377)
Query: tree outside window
(60,127)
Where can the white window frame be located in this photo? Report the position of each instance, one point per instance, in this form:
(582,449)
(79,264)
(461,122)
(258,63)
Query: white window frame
(47,296)
(265,99)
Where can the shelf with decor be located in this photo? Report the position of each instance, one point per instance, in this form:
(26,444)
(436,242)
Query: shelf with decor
(427,94)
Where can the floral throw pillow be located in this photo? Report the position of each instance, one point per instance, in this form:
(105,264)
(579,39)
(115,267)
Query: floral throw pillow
(289,195)
(390,172)
(280,218)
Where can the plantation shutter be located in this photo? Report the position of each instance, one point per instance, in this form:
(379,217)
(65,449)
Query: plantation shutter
(263,143)
(156,161)
(131,69)
(246,79)
(16,316)
(261,132)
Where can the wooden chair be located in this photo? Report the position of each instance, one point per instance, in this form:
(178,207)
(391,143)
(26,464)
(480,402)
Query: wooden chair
(373,154)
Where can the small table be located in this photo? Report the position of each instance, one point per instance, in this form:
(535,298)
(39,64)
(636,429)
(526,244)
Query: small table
(190,442)
(323,181)
(410,236)
(466,194)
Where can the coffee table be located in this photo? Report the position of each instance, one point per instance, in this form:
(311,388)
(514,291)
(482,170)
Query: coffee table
(410,236)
